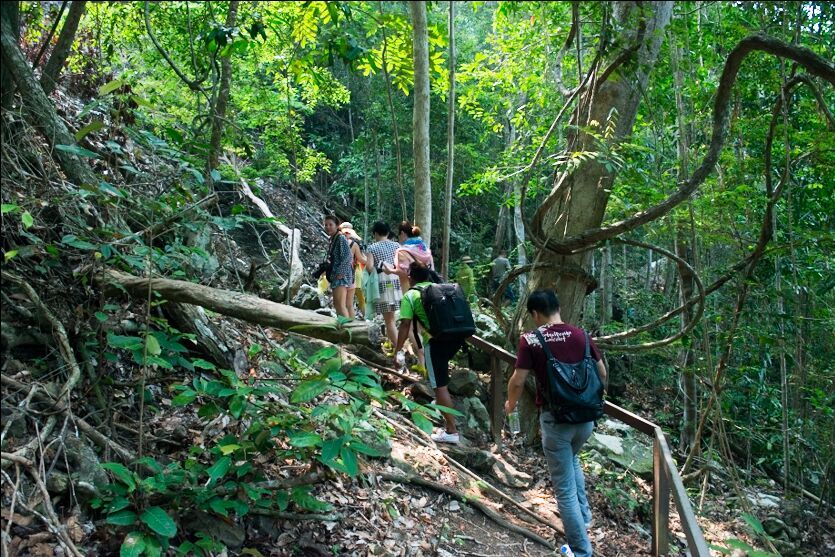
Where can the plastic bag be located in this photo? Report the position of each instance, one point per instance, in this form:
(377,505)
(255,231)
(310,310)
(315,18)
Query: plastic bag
(323,284)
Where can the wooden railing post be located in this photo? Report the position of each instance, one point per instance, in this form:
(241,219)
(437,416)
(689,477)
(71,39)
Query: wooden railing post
(660,499)
(497,396)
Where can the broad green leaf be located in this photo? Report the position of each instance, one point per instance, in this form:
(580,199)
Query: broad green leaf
(74,241)
(133,546)
(203,364)
(331,447)
(152,546)
(8,208)
(446,409)
(76,150)
(122,473)
(361,447)
(422,422)
(93,126)
(10,254)
(161,362)
(218,505)
(27,220)
(110,86)
(158,520)
(349,458)
(308,390)
(122,518)
(126,342)
(219,469)
(101,316)
(109,189)
(152,345)
(117,504)
(229,449)
(305,439)
(323,354)
(754,523)
(184,398)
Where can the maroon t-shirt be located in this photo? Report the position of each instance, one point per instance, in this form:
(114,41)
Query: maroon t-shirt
(567,344)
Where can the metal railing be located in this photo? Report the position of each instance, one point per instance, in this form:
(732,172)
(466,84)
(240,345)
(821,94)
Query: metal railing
(666,479)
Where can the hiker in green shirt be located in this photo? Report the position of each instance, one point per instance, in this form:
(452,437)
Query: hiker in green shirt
(465,278)
(437,352)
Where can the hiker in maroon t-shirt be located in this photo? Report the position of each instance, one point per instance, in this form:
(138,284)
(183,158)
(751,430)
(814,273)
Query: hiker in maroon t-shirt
(560,441)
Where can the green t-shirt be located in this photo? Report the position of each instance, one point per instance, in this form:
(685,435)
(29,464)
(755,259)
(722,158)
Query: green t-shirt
(465,278)
(411,305)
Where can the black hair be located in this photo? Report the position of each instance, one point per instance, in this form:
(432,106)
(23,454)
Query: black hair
(544,301)
(333,218)
(419,273)
(381,228)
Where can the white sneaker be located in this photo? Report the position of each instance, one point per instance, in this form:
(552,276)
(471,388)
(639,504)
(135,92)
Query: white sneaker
(444,437)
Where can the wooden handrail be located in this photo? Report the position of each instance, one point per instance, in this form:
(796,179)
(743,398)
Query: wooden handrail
(666,478)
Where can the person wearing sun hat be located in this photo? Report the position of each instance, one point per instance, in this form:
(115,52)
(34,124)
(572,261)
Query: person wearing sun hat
(347,230)
(464,277)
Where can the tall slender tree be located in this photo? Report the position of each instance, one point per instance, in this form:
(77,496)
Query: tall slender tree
(222,99)
(450,146)
(420,120)
(66,38)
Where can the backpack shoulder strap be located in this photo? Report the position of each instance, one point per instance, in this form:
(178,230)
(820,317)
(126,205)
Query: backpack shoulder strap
(544,345)
(588,345)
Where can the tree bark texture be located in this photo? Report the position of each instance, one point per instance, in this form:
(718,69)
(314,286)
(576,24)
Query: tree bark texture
(9,13)
(420,120)
(219,109)
(582,202)
(40,111)
(236,304)
(66,38)
(192,319)
(450,146)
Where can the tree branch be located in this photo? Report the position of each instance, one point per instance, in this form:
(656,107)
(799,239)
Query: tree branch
(193,84)
(813,63)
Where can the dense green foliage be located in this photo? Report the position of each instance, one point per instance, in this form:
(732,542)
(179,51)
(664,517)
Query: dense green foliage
(310,109)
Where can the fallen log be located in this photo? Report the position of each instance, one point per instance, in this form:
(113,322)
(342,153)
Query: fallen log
(236,304)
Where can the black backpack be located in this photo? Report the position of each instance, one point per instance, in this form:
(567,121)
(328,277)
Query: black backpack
(574,392)
(447,310)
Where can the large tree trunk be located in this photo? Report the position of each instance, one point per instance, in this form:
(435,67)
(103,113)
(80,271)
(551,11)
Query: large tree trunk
(237,304)
(219,109)
(582,201)
(40,111)
(9,13)
(66,38)
(420,120)
(450,146)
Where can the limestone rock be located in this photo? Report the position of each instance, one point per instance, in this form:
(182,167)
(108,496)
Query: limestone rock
(476,420)
(625,451)
(84,462)
(308,298)
(488,329)
(463,383)
(422,392)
